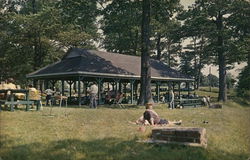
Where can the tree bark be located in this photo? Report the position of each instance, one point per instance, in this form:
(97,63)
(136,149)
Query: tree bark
(200,64)
(145,91)
(248,58)
(221,60)
(158,47)
(169,54)
(136,42)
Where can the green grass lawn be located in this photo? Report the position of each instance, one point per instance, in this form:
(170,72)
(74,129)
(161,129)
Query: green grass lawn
(105,134)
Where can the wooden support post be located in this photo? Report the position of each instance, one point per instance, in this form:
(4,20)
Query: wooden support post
(132,90)
(116,82)
(108,87)
(46,84)
(62,81)
(116,86)
(188,89)
(86,88)
(136,89)
(173,86)
(79,91)
(125,90)
(120,86)
(158,91)
(179,89)
(170,86)
(27,99)
(12,102)
(70,87)
(99,81)
(113,86)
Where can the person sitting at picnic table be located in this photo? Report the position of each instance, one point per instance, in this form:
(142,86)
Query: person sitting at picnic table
(150,117)
(206,100)
(108,97)
(49,93)
(9,84)
(34,95)
(118,96)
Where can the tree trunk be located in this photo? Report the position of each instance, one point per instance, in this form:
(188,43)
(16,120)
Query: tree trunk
(136,42)
(33,6)
(248,58)
(195,63)
(200,65)
(221,60)
(169,54)
(158,47)
(145,92)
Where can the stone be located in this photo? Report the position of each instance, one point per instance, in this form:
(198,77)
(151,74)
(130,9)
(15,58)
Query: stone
(180,135)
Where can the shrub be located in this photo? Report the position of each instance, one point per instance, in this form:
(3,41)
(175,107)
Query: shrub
(243,88)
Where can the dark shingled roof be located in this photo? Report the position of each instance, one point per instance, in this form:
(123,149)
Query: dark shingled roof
(104,64)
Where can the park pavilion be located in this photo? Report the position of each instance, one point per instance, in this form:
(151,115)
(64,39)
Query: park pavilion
(111,71)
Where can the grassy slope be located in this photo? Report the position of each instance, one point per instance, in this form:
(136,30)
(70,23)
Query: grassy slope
(82,133)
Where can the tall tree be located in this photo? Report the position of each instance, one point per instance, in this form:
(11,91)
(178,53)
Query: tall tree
(194,30)
(145,92)
(164,26)
(35,31)
(78,18)
(221,40)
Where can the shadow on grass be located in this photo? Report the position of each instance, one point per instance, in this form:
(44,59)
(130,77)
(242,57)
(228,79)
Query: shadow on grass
(112,106)
(242,101)
(107,149)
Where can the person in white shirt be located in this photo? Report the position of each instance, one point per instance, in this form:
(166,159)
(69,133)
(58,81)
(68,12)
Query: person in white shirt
(171,103)
(93,90)
(49,92)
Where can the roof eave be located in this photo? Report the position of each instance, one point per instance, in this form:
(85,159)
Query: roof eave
(107,75)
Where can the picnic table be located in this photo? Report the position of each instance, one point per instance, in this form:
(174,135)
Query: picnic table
(194,102)
(12,101)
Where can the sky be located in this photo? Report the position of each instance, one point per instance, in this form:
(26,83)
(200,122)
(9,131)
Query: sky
(187,3)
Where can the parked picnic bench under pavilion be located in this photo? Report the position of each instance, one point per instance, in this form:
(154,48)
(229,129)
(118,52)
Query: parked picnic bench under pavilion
(79,67)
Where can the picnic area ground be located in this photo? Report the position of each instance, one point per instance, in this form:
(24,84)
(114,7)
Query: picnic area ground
(75,133)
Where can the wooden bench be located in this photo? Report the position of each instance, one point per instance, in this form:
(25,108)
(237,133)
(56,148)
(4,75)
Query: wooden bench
(188,103)
(12,101)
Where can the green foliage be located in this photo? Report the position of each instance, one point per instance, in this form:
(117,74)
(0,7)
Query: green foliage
(121,25)
(210,80)
(186,63)
(165,30)
(78,23)
(226,39)
(230,80)
(243,88)
(34,33)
